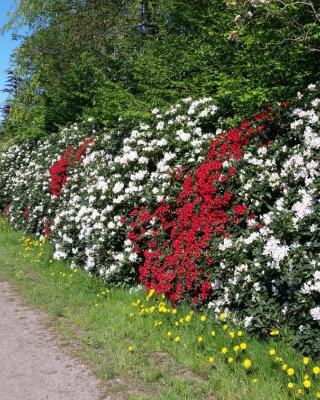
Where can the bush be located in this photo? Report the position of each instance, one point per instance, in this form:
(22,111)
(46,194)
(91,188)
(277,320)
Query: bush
(229,219)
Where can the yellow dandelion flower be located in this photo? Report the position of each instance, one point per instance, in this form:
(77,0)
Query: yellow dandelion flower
(306,377)
(150,294)
(130,348)
(230,360)
(243,346)
(236,348)
(254,380)
(278,359)
(169,333)
(285,367)
(225,327)
(240,333)
(213,333)
(203,318)
(231,334)
(290,385)
(318,395)
(316,370)
(211,359)
(174,311)
(200,339)
(307,383)
(222,316)
(306,360)
(247,363)
(290,371)
(272,352)
(224,350)
(275,332)
(188,318)
(177,339)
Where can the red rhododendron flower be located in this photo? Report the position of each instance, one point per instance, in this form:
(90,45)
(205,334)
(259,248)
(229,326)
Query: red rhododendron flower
(176,261)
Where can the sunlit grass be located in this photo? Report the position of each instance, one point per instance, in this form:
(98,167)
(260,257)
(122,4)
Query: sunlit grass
(157,352)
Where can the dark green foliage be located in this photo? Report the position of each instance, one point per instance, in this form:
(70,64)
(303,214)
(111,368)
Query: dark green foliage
(120,58)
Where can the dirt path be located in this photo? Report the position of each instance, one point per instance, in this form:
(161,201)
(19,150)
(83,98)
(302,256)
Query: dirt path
(32,367)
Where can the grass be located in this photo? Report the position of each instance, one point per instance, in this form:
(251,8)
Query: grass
(99,326)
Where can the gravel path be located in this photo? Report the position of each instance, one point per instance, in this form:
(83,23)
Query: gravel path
(31,365)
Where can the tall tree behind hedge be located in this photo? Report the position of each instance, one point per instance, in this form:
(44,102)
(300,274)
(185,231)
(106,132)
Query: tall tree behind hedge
(111,58)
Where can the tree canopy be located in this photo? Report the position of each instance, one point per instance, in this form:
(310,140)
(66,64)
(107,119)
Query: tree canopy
(106,58)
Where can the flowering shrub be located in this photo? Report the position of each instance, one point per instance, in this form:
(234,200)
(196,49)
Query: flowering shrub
(246,221)
(229,219)
(84,199)
(178,260)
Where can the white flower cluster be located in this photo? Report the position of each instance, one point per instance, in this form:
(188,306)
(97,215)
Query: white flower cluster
(119,171)
(280,183)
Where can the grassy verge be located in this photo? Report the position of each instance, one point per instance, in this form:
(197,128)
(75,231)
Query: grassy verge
(136,350)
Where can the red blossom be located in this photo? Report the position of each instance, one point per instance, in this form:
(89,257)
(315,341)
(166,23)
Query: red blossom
(176,261)
(59,169)
(240,209)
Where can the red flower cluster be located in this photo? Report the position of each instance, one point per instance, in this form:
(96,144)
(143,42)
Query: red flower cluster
(6,210)
(59,169)
(177,257)
(26,213)
(46,227)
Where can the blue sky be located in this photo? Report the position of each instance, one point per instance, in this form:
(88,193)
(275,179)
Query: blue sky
(7,45)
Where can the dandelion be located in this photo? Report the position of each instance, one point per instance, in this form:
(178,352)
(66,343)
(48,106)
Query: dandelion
(236,348)
(169,333)
(290,371)
(275,333)
(254,380)
(211,359)
(243,346)
(177,339)
(213,333)
(230,360)
(272,352)
(306,360)
(225,327)
(222,316)
(231,334)
(224,350)
(307,383)
(240,333)
(316,370)
(290,385)
(285,367)
(130,348)
(203,318)
(247,363)
(200,339)
(318,395)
